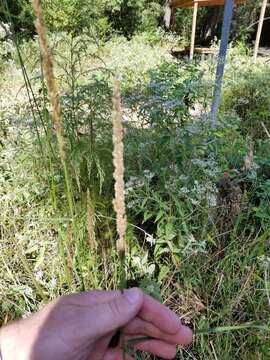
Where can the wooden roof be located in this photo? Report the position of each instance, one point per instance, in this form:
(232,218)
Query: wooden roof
(201,3)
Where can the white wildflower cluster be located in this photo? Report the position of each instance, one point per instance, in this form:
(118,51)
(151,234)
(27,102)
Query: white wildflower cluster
(133,203)
(204,191)
(172,184)
(184,190)
(133,183)
(148,174)
(150,239)
(212,198)
(196,193)
(208,166)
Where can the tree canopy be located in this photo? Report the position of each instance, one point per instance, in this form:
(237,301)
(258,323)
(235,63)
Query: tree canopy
(127,17)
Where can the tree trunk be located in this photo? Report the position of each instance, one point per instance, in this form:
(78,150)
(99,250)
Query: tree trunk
(167,14)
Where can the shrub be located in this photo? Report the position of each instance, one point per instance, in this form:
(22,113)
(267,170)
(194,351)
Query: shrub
(249,97)
(166,98)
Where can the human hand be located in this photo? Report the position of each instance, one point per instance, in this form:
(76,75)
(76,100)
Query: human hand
(81,326)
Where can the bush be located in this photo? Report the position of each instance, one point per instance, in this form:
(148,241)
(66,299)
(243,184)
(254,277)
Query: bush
(166,98)
(249,97)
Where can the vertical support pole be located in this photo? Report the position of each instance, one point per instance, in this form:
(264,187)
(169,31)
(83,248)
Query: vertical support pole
(259,31)
(227,19)
(193,34)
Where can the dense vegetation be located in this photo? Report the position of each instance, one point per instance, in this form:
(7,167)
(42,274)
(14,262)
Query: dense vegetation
(127,17)
(197,197)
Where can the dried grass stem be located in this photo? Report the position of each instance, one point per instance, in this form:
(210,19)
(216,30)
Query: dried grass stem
(50,78)
(118,161)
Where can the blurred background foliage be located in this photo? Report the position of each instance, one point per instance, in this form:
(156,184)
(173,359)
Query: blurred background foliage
(127,17)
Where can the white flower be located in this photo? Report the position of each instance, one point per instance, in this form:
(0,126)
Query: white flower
(131,204)
(211,199)
(148,174)
(133,183)
(150,239)
(184,190)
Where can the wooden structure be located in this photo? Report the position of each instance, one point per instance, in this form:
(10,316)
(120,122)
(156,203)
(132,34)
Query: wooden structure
(259,30)
(195,4)
(227,19)
(184,51)
(200,3)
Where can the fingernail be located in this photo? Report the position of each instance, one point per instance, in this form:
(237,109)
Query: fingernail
(132,295)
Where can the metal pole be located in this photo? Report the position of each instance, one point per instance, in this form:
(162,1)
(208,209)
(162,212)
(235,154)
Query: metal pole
(259,31)
(227,19)
(193,34)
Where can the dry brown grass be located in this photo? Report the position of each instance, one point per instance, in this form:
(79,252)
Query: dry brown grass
(53,97)
(90,222)
(118,161)
(50,78)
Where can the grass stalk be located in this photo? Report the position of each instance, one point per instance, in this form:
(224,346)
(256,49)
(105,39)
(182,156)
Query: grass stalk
(53,95)
(119,186)
(90,222)
(221,329)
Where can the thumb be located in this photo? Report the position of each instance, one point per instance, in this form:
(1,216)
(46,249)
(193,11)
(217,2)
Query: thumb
(109,316)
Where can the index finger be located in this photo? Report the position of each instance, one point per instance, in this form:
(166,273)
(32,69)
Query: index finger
(159,315)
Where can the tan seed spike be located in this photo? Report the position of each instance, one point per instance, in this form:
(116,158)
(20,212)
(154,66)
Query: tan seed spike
(49,77)
(118,161)
(90,222)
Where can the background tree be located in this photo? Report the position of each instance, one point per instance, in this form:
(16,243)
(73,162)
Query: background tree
(20,11)
(127,17)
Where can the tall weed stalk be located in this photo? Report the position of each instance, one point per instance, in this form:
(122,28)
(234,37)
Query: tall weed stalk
(119,186)
(53,96)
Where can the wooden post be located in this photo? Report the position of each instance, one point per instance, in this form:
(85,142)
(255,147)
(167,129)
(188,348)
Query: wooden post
(259,31)
(194,22)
